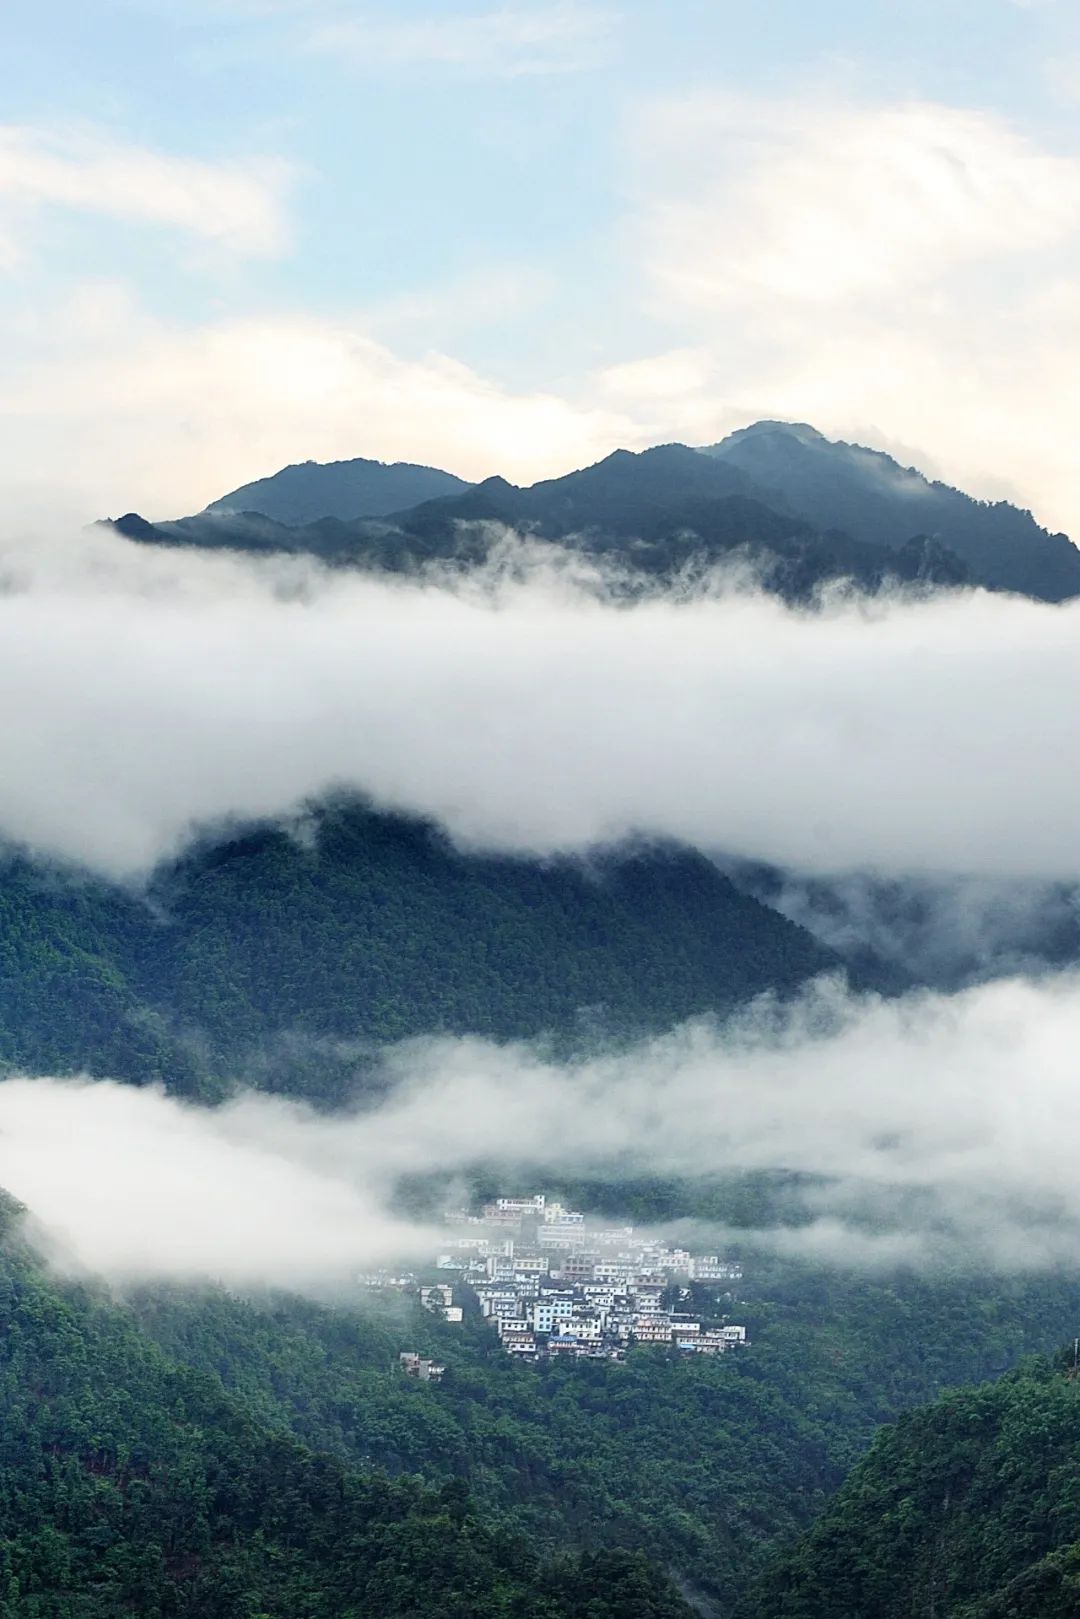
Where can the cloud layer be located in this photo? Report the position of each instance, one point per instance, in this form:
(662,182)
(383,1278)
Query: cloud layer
(512,42)
(139,413)
(161,691)
(936,1128)
(236,205)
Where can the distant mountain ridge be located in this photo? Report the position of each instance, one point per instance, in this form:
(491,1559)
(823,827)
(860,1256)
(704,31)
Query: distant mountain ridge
(308,490)
(801,509)
(874,499)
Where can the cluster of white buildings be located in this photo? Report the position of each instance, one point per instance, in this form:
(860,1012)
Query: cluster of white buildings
(552,1285)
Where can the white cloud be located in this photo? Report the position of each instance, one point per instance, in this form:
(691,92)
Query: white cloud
(237,205)
(161,689)
(141,414)
(906,266)
(188,1192)
(943,1128)
(820,205)
(511,42)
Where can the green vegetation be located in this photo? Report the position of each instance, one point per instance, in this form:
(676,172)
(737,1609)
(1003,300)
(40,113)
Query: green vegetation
(194,1453)
(969,1509)
(704,1462)
(130,1485)
(257,957)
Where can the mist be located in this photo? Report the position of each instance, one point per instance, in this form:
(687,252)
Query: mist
(946,931)
(164,692)
(930,1129)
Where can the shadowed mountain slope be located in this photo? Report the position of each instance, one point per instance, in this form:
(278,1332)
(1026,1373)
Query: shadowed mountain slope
(802,508)
(968,1509)
(651,515)
(879,502)
(313,489)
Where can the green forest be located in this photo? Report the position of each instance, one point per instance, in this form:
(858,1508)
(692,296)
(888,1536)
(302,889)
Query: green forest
(706,1463)
(252,959)
(184,1451)
(133,1484)
(968,1509)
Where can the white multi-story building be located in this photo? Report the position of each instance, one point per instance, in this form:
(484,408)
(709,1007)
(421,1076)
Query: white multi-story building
(547,1311)
(498,1301)
(613,1271)
(652,1329)
(414,1365)
(585,1327)
(711,1268)
(578,1267)
(520,1343)
(555,1236)
(500,1266)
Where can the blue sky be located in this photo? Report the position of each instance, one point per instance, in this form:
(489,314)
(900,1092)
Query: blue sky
(235,233)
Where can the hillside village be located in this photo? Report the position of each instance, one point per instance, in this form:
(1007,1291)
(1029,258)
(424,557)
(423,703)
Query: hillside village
(553,1286)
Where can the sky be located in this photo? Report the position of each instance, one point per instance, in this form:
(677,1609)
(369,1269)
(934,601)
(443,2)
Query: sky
(508,238)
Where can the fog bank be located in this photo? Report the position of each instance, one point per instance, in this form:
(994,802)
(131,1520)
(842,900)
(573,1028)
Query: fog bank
(937,1128)
(162,691)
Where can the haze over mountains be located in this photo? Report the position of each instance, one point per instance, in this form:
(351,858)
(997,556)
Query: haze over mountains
(532,841)
(802,509)
(388,930)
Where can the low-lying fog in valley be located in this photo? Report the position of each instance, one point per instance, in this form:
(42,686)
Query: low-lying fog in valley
(937,1129)
(531,708)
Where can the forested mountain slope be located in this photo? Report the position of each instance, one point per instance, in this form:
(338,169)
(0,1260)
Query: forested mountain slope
(876,500)
(373,929)
(969,1509)
(131,1485)
(705,1462)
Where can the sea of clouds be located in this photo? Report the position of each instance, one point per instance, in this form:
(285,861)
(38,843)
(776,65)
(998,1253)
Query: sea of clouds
(162,691)
(539,708)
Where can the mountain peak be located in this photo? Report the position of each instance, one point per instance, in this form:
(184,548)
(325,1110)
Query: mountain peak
(871,497)
(795,430)
(309,490)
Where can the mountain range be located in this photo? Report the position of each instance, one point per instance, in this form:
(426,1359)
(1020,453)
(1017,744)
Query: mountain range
(801,509)
(186,1453)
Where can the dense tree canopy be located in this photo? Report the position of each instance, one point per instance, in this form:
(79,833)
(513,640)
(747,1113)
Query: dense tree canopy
(255,958)
(969,1509)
